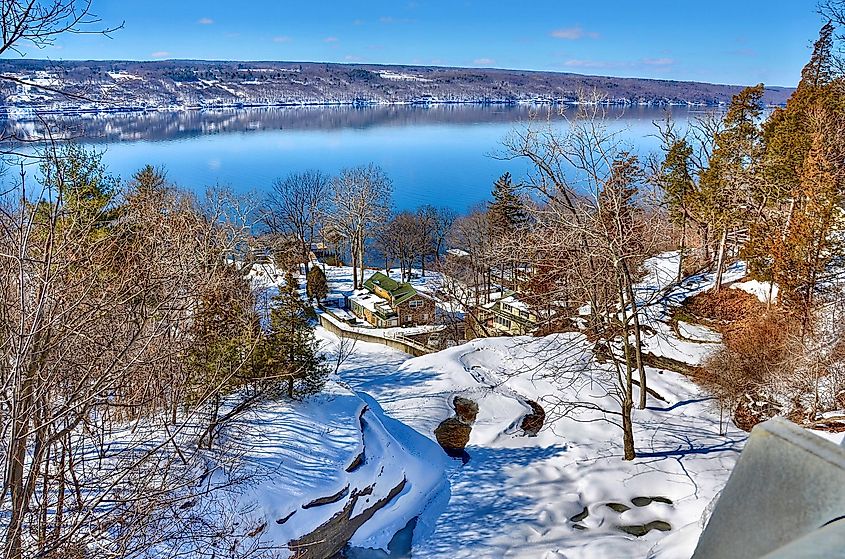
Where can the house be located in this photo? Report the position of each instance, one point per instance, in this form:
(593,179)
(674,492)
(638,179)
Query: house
(509,316)
(386,303)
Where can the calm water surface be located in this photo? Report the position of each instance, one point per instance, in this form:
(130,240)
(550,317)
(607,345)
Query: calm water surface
(441,155)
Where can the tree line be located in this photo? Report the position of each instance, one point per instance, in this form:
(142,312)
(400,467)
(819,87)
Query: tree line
(129,304)
(352,213)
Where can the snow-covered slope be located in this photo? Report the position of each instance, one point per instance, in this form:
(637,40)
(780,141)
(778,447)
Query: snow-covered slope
(516,497)
(308,461)
(567,492)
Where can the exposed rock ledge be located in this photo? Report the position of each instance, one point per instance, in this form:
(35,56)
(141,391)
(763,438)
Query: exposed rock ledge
(329,539)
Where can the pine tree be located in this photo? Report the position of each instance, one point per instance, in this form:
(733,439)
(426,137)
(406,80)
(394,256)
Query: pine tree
(803,251)
(83,190)
(787,134)
(679,190)
(291,349)
(728,185)
(819,71)
(802,166)
(149,180)
(507,211)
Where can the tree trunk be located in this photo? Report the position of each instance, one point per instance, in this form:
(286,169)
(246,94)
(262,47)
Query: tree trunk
(353,250)
(628,431)
(720,261)
(627,382)
(361,260)
(638,348)
(14,481)
(682,248)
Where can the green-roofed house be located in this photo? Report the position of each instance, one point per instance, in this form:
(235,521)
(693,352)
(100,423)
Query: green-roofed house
(386,303)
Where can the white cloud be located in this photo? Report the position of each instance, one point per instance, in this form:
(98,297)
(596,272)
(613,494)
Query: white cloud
(573,33)
(665,61)
(160,54)
(389,20)
(282,39)
(205,21)
(483,61)
(331,40)
(581,63)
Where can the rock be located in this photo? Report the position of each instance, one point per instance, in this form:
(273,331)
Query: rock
(328,500)
(465,410)
(453,436)
(533,422)
(328,539)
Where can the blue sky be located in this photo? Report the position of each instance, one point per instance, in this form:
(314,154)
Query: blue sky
(722,41)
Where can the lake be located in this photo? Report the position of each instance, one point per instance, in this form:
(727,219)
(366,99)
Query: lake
(441,155)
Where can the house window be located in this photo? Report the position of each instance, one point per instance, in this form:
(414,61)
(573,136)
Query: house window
(502,321)
(415,304)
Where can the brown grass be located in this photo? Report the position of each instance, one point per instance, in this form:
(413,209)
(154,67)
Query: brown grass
(723,308)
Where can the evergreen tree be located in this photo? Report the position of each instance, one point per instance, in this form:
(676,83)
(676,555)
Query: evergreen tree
(679,189)
(290,351)
(82,189)
(225,328)
(802,169)
(801,254)
(787,134)
(316,285)
(507,211)
(819,71)
(149,180)
(728,186)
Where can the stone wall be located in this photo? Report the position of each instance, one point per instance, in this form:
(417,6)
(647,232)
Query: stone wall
(407,346)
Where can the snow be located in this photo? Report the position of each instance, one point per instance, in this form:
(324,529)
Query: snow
(401,76)
(300,451)
(515,496)
(835,438)
(698,333)
(339,280)
(117,76)
(658,296)
(763,290)
(367,300)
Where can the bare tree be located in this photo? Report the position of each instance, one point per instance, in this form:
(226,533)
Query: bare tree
(361,200)
(590,237)
(37,23)
(438,223)
(109,306)
(27,24)
(295,206)
(404,238)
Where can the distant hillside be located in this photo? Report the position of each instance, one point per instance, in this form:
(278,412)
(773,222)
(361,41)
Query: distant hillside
(120,85)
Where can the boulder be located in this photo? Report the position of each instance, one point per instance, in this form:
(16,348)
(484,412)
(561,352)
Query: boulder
(453,436)
(465,410)
(533,422)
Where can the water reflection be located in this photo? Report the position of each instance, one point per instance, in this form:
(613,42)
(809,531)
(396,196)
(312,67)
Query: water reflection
(437,155)
(180,124)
